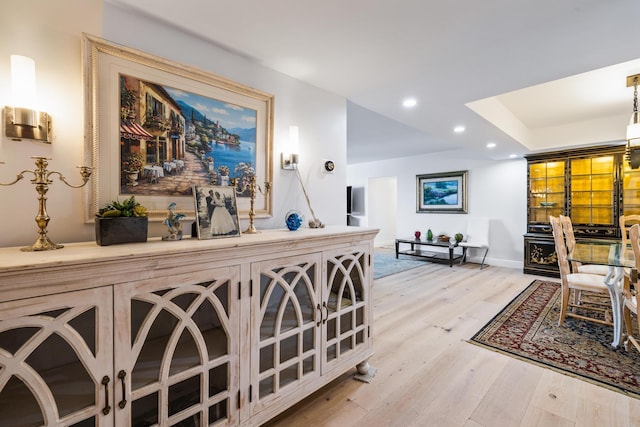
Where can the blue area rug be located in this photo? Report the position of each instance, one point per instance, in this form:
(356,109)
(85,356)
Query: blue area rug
(385,264)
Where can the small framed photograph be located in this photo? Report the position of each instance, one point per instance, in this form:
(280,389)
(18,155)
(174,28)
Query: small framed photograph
(216,211)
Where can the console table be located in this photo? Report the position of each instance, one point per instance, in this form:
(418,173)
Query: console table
(415,250)
(228,332)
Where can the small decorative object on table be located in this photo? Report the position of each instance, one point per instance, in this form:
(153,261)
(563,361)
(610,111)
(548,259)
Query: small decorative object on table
(417,234)
(458,237)
(124,222)
(429,235)
(293,220)
(173,224)
(42,179)
(314,222)
(443,238)
(253,189)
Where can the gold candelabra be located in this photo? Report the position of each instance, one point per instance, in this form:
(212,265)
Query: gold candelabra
(42,180)
(252,186)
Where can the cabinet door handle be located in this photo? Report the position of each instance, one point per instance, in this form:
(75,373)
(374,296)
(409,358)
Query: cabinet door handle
(121,376)
(105,383)
(320,310)
(324,305)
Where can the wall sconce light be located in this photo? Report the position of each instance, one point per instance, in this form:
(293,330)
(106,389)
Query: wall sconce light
(290,156)
(21,119)
(632,153)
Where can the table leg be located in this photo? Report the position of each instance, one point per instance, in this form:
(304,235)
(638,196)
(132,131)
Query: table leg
(612,280)
(397,246)
(450,256)
(464,255)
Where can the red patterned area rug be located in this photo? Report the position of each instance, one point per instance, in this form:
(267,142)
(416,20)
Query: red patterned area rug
(527,328)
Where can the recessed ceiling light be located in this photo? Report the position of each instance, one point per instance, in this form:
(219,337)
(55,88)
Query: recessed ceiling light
(513,156)
(409,102)
(491,145)
(458,129)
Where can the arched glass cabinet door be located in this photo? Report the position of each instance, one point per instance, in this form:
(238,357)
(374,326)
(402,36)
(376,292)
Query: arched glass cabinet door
(286,315)
(346,322)
(56,360)
(177,349)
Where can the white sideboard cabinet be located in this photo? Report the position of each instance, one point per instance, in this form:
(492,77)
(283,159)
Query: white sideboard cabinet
(186,333)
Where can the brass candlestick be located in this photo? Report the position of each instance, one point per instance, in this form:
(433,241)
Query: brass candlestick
(251,229)
(42,181)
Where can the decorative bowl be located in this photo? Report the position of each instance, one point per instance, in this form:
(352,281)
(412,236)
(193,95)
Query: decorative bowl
(443,238)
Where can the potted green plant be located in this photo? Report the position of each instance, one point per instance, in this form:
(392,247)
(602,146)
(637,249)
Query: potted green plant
(121,222)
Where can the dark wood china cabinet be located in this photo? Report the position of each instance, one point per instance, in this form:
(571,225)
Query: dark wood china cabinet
(593,186)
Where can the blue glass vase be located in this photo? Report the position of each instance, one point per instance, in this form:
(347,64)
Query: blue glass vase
(293,220)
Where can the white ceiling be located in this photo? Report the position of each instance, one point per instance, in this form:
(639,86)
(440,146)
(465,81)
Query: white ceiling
(527,75)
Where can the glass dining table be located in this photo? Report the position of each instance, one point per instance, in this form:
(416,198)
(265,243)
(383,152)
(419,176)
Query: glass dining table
(617,257)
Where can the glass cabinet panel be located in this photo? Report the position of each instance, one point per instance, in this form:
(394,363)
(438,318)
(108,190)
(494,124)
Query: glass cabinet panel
(630,190)
(57,351)
(347,281)
(592,182)
(546,190)
(183,337)
(289,312)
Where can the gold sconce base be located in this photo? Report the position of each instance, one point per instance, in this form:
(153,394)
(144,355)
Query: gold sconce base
(43,243)
(251,229)
(41,132)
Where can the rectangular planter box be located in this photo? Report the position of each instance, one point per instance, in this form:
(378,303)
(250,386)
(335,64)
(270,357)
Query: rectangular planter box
(113,231)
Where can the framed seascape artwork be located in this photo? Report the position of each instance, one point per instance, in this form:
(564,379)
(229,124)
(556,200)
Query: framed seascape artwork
(442,192)
(156,128)
(216,211)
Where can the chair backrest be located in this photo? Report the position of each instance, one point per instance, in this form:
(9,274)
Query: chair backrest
(634,236)
(561,248)
(570,238)
(626,221)
(478,232)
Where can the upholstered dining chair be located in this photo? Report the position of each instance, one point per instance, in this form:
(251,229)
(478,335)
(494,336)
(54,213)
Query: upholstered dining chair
(584,283)
(570,240)
(626,221)
(630,299)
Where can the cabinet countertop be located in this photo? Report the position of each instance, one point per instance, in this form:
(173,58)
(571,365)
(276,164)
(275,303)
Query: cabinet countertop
(86,265)
(12,258)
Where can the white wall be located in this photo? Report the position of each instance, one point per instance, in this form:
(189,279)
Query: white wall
(48,32)
(382,209)
(496,189)
(52,38)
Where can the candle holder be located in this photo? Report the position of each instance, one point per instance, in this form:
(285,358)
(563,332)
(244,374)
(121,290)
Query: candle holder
(42,180)
(252,186)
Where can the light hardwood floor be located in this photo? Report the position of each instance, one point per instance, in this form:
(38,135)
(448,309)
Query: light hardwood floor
(429,375)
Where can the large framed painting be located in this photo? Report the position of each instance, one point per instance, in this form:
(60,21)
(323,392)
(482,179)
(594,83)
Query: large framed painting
(442,192)
(155,129)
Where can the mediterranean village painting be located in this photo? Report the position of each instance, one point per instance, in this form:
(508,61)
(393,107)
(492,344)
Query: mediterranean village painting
(172,140)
